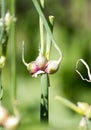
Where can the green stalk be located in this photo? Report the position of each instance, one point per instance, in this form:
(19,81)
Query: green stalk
(1,89)
(44,105)
(48,41)
(2,16)
(69,104)
(3,35)
(1,39)
(13,57)
(41,30)
(44,101)
(45,83)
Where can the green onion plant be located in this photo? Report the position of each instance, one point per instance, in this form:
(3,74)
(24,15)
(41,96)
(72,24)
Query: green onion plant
(42,65)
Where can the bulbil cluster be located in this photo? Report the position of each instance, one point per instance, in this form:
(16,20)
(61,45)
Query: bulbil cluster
(9,122)
(41,65)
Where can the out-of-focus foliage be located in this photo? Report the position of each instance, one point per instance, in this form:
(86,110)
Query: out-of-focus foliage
(72,31)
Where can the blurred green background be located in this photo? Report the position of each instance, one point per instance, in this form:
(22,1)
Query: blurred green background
(72,31)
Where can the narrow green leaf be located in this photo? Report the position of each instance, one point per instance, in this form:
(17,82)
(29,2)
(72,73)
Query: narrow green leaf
(69,104)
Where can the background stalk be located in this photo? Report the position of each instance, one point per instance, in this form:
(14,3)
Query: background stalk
(1,38)
(2,16)
(13,56)
(1,89)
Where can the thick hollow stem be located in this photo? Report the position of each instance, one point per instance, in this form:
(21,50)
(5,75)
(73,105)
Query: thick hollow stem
(44,104)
